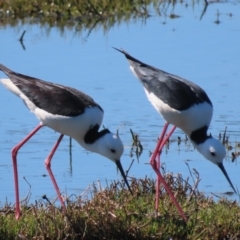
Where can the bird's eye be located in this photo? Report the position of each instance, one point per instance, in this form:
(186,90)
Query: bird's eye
(113,150)
(213,154)
(212,151)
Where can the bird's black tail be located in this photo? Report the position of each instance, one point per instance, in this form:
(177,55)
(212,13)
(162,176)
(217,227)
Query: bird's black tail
(135,62)
(129,57)
(4,69)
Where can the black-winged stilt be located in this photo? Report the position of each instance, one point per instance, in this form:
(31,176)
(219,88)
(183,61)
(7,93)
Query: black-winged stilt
(184,105)
(67,111)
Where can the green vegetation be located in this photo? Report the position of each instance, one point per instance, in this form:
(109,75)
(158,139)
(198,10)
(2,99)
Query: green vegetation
(73,8)
(114,214)
(80,14)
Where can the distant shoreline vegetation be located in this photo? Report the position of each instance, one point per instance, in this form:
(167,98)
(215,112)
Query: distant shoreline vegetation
(76,10)
(82,15)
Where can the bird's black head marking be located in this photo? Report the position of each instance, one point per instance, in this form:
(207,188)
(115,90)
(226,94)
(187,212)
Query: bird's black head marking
(200,135)
(113,150)
(92,134)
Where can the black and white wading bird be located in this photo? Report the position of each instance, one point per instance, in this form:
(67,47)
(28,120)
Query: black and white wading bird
(184,105)
(67,111)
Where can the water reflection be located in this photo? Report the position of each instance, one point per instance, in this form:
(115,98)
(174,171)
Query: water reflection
(21,40)
(92,17)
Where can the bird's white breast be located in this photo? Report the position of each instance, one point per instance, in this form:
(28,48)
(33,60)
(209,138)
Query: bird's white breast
(75,127)
(195,117)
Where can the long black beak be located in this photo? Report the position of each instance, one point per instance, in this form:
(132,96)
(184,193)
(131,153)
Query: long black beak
(119,165)
(220,165)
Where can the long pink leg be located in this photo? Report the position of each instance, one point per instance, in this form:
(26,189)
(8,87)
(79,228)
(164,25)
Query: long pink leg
(165,139)
(156,161)
(155,164)
(156,151)
(159,151)
(48,167)
(156,167)
(15,170)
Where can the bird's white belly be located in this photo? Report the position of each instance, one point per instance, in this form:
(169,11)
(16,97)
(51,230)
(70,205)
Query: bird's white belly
(197,116)
(75,127)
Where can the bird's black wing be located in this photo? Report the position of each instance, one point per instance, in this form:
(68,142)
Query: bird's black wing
(177,92)
(51,97)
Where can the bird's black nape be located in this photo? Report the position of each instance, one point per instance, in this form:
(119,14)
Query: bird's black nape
(220,165)
(93,134)
(119,165)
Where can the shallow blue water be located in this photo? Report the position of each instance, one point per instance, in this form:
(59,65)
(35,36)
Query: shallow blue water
(199,50)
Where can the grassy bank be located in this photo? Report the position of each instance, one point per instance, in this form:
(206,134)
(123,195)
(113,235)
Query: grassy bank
(114,214)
